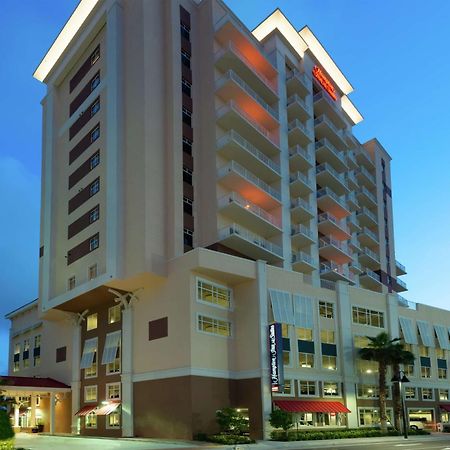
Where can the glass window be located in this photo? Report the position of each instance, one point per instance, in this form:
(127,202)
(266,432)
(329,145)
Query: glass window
(95,56)
(188,237)
(187,206)
(442,374)
(287,388)
(365,316)
(113,420)
(326,310)
(286,352)
(368,391)
(214,326)
(91,372)
(37,341)
(186,59)
(95,108)
(329,362)
(304,334)
(91,322)
(213,293)
(360,341)
(443,394)
(425,372)
(423,351)
(410,393)
(113,391)
(94,187)
(94,214)
(327,336)
(366,366)
(71,283)
(95,160)
(307,388)
(369,416)
(306,360)
(95,134)
(95,81)
(330,389)
(409,370)
(90,393)
(427,394)
(93,242)
(440,353)
(186,87)
(114,314)
(187,116)
(91,420)
(92,272)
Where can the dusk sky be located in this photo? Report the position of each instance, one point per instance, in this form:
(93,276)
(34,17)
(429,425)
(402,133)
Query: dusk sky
(394,53)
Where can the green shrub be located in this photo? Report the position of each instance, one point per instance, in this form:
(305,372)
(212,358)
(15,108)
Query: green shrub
(6,431)
(231,421)
(230,439)
(7,444)
(281,419)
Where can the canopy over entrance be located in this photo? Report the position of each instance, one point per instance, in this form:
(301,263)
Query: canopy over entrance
(311,406)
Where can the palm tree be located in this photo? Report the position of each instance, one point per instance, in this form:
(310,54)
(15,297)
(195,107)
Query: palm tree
(380,349)
(399,356)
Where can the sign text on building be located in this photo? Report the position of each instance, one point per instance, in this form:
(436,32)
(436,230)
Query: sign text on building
(324,81)
(276,357)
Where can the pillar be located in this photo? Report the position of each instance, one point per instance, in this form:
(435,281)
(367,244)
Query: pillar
(52,412)
(16,413)
(76,381)
(127,371)
(33,411)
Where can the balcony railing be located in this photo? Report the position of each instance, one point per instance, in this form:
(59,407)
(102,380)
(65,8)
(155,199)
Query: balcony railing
(355,243)
(233,166)
(264,131)
(301,229)
(233,136)
(234,197)
(368,213)
(324,142)
(323,96)
(297,124)
(372,274)
(230,46)
(363,171)
(323,217)
(299,150)
(401,283)
(327,241)
(356,265)
(327,191)
(302,257)
(302,177)
(363,152)
(297,99)
(331,266)
(231,75)
(400,266)
(353,220)
(324,119)
(299,76)
(368,194)
(325,167)
(351,157)
(351,177)
(235,229)
(369,233)
(299,202)
(370,253)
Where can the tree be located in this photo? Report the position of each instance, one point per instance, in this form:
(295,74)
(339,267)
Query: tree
(281,419)
(380,349)
(399,356)
(6,431)
(230,420)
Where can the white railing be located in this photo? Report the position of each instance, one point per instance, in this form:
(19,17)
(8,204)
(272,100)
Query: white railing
(301,229)
(299,76)
(302,257)
(355,243)
(231,75)
(297,124)
(233,166)
(322,95)
(331,266)
(302,177)
(236,137)
(362,151)
(323,217)
(299,150)
(368,213)
(327,191)
(363,171)
(328,284)
(327,240)
(297,99)
(324,142)
(230,46)
(352,218)
(236,230)
(299,202)
(356,265)
(400,266)
(351,177)
(368,194)
(351,156)
(370,233)
(325,167)
(234,106)
(324,119)
(371,253)
(234,197)
(371,274)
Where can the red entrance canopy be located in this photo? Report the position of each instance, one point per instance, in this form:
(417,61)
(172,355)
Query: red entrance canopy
(108,409)
(311,406)
(445,407)
(86,410)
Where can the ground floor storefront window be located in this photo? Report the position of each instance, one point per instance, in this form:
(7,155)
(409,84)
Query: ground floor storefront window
(320,419)
(370,417)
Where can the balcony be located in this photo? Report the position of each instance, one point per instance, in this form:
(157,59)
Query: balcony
(324,128)
(351,160)
(231,117)
(328,224)
(363,157)
(300,159)
(366,198)
(352,182)
(335,272)
(234,147)
(252,245)
(298,83)
(399,285)
(353,223)
(400,269)
(243,211)
(355,244)
(327,153)
(300,184)
(368,237)
(355,267)
(303,262)
(352,200)
(231,87)
(302,236)
(367,217)
(365,177)
(236,178)
(230,57)
(370,280)
(352,142)
(301,210)
(334,250)
(323,104)
(327,176)
(369,258)
(298,134)
(330,202)
(297,108)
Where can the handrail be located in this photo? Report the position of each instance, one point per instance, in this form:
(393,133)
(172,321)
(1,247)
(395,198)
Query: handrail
(297,124)
(327,216)
(303,203)
(327,191)
(325,167)
(371,274)
(369,194)
(400,265)
(301,229)
(324,142)
(368,213)
(301,76)
(296,98)
(371,253)
(300,176)
(325,119)
(299,150)
(327,240)
(302,256)
(362,170)
(369,232)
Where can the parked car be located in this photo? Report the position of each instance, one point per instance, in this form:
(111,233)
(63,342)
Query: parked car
(416,424)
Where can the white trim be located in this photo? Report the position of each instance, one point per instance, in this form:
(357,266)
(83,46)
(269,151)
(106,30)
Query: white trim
(117,383)
(316,387)
(220,286)
(198,314)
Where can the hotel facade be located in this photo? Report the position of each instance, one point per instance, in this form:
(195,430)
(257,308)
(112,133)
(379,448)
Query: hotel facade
(201,183)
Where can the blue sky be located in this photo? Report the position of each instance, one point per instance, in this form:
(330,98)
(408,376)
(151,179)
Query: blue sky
(395,54)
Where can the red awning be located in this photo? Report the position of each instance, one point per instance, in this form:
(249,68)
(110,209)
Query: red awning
(445,407)
(108,409)
(311,406)
(85,410)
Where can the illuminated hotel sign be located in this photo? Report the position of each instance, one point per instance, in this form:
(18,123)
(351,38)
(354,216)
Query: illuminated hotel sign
(324,82)
(276,357)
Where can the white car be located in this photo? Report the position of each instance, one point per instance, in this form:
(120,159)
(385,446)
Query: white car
(416,425)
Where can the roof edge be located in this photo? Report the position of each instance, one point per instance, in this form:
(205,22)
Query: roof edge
(22,309)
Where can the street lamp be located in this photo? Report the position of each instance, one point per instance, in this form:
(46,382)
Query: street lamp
(400,377)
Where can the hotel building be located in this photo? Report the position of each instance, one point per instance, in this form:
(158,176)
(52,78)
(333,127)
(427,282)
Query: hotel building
(201,182)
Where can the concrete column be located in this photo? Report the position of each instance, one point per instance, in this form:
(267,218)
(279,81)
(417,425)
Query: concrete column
(33,411)
(52,412)
(127,372)
(16,413)
(346,359)
(266,392)
(76,381)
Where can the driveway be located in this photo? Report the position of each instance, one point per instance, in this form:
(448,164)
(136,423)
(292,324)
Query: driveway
(40,442)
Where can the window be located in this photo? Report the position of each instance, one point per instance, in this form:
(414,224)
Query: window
(410,393)
(214,326)
(427,394)
(423,351)
(90,394)
(94,187)
(366,367)
(443,394)
(91,421)
(16,361)
(307,388)
(306,360)
(113,420)
(440,353)
(368,391)
(95,133)
(113,391)
(95,81)
(286,344)
(188,237)
(93,242)
(91,322)
(71,283)
(329,362)
(213,293)
(360,341)
(186,59)
(95,108)
(37,350)
(16,366)
(365,316)
(115,366)
(91,372)
(114,314)
(330,389)
(442,373)
(95,56)
(94,214)
(187,205)
(187,117)
(185,31)
(327,336)
(95,160)
(287,388)
(305,334)
(186,87)
(187,146)
(409,370)
(369,417)
(92,272)
(187,175)
(326,310)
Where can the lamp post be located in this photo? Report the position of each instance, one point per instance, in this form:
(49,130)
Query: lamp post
(400,377)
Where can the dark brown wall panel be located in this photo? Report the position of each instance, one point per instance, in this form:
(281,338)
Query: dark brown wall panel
(188,132)
(185,17)
(82,96)
(158,329)
(61,354)
(79,250)
(80,224)
(82,196)
(82,71)
(188,161)
(188,221)
(186,73)
(82,146)
(187,102)
(80,173)
(84,118)
(186,45)
(188,191)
